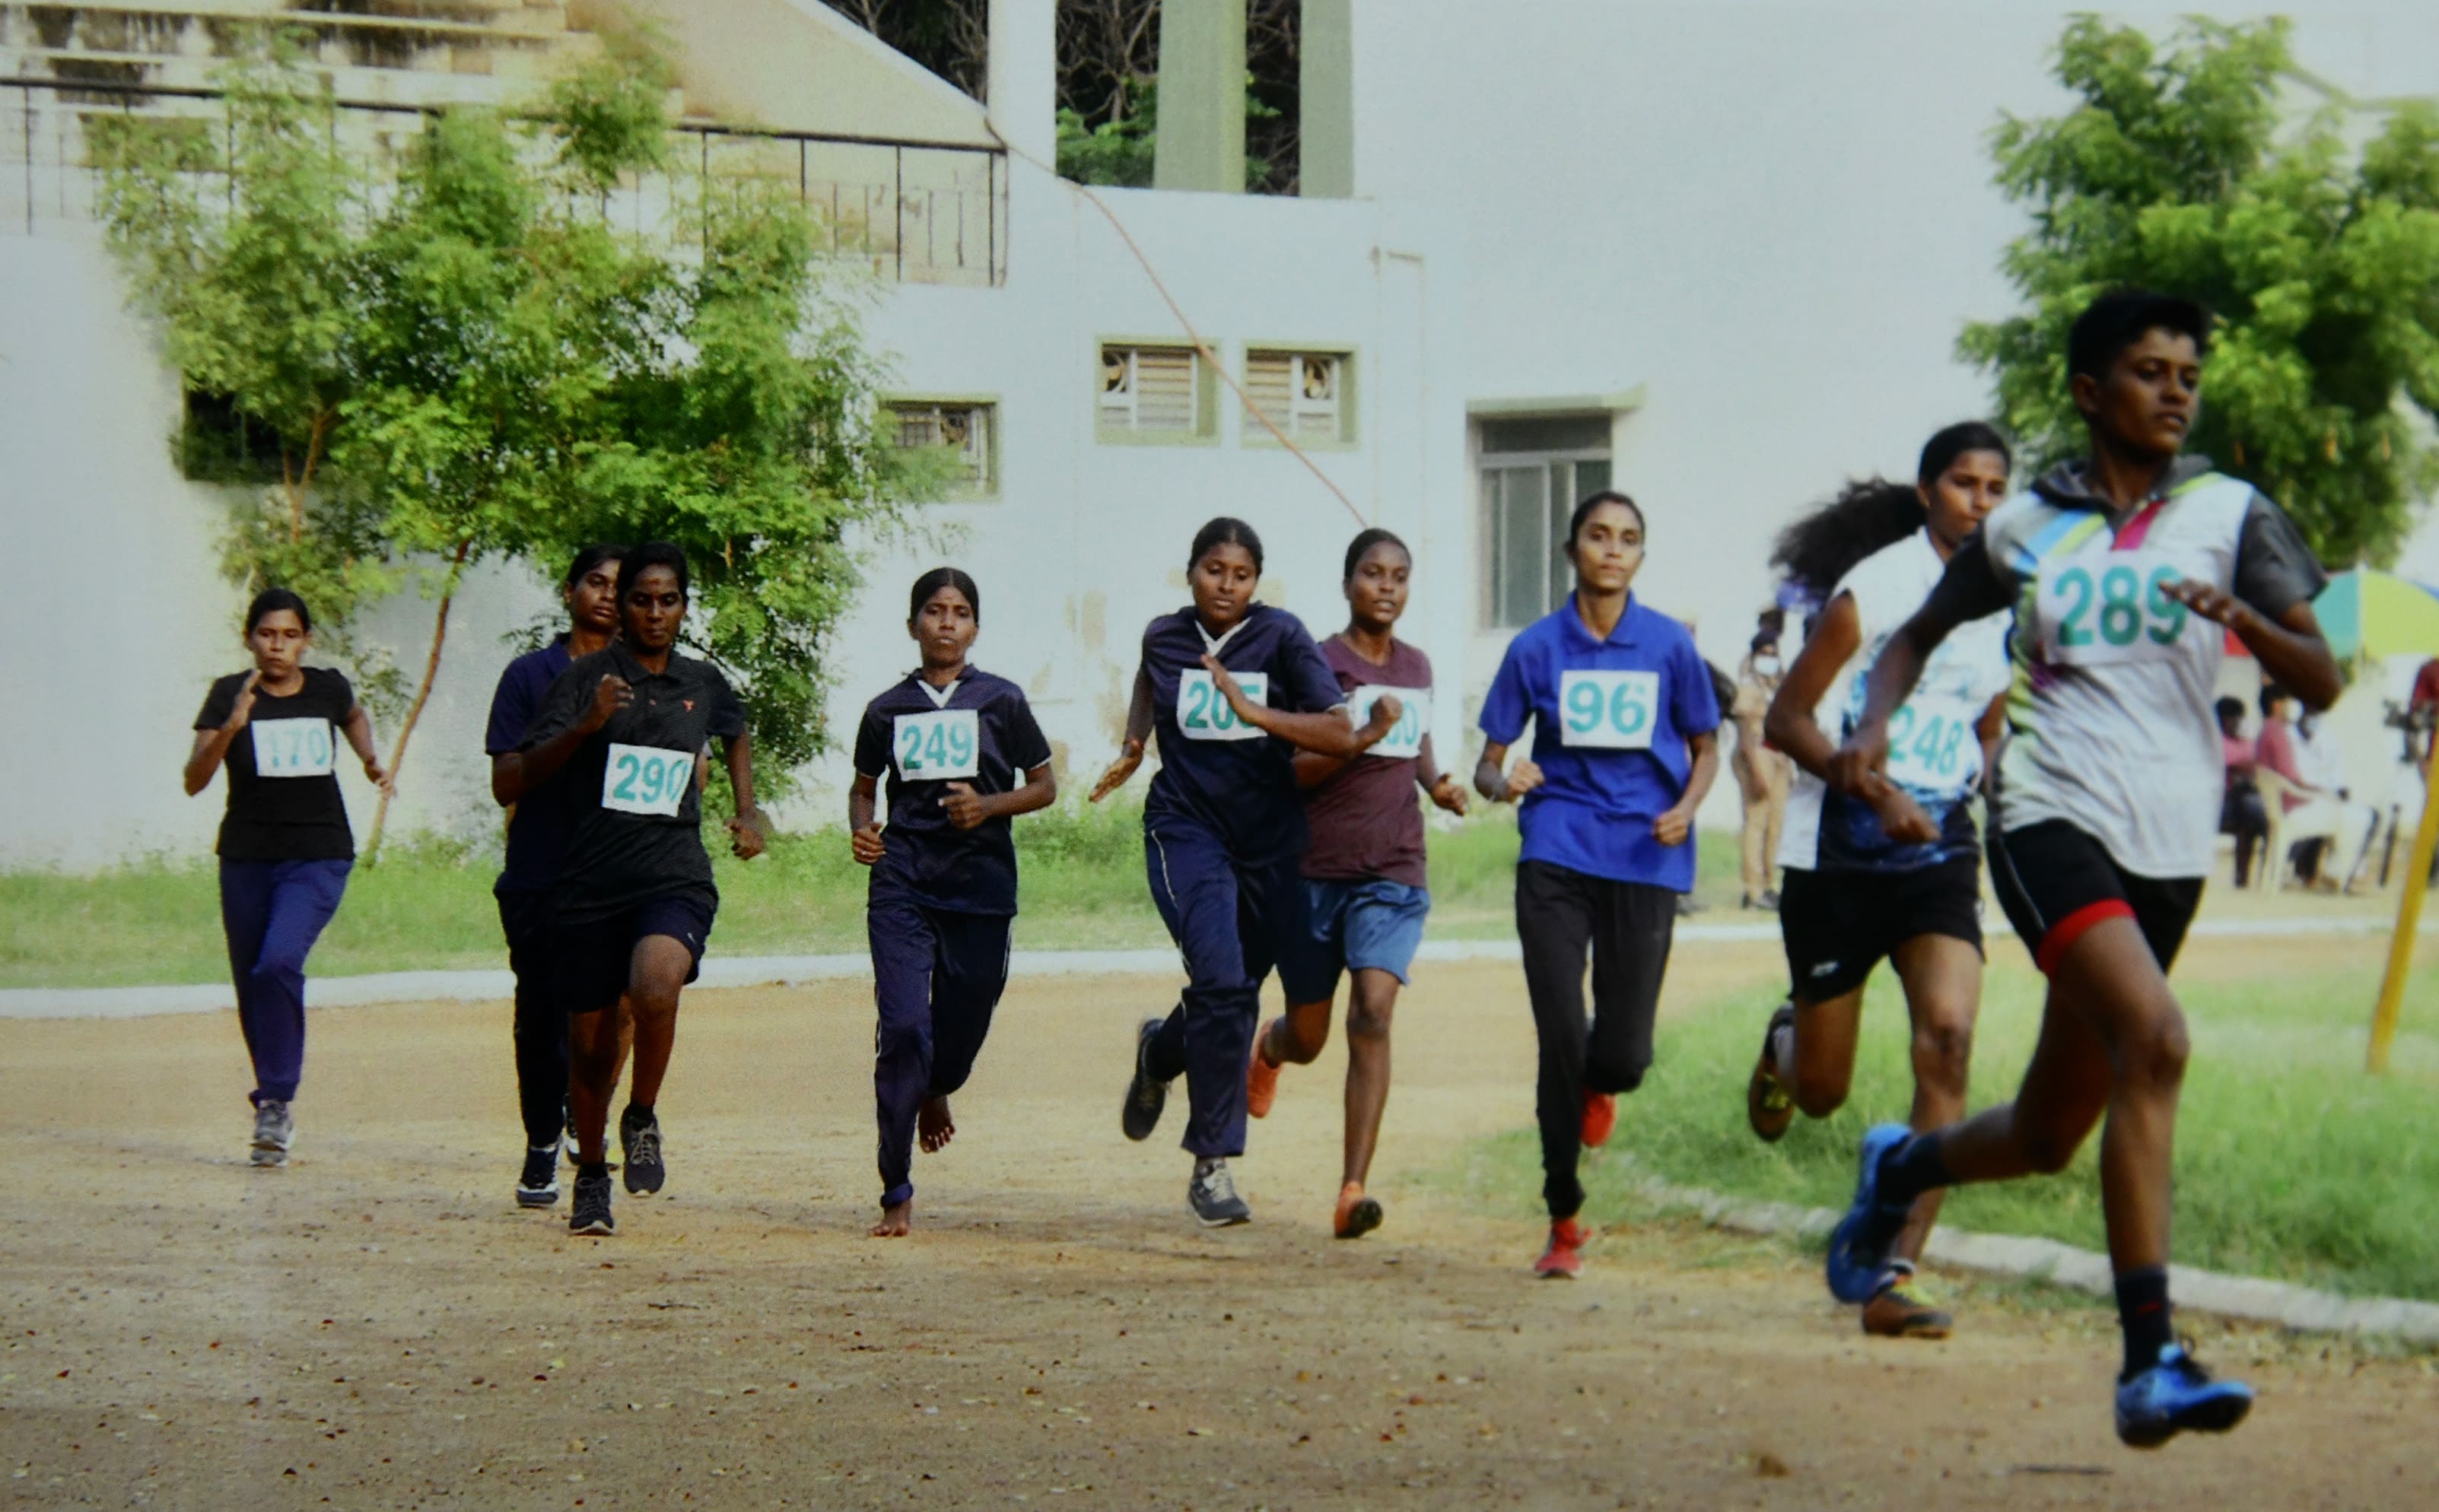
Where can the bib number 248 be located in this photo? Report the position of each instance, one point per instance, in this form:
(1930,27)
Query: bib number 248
(1608,710)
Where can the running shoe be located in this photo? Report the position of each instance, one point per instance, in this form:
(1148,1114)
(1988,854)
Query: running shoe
(1903,1308)
(1767,1107)
(275,1129)
(1358,1214)
(539,1186)
(1213,1195)
(589,1212)
(1146,1094)
(1600,1118)
(1261,1078)
(2178,1396)
(1859,1246)
(1564,1259)
(640,1139)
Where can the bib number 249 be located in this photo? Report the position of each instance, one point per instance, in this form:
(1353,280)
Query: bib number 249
(1608,710)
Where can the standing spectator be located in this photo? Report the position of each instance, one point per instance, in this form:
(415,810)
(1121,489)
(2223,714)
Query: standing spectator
(2240,811)
(1762,773)
(2313,811)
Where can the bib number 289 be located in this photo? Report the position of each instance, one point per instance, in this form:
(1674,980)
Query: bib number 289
(645,779)
(1608,710)
(2120,610)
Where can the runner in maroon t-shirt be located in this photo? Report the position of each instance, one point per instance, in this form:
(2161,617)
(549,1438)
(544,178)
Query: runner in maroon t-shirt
(1363,873)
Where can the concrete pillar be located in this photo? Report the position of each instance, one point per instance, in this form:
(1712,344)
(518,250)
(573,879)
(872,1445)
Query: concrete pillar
(1022,76)
(1201,142)
(1325,101)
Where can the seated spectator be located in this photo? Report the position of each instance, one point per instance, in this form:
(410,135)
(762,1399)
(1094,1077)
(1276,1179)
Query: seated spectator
(2315,806)
(2240,811)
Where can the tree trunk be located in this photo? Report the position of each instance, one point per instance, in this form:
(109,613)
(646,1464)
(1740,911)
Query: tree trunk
(422,695)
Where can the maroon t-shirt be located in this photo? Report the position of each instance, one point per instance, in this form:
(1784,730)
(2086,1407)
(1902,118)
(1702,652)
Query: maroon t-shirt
(1367,821)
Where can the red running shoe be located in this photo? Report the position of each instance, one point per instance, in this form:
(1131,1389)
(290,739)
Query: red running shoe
(1564,1259)
(1261,1078)
(1600,1118)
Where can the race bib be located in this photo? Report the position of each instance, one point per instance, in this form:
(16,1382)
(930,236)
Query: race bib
(1612,711)
(645,779)
(1202,711)
(1932,747)
(2111,607)
(292,748)
(1405,737)
(939,745)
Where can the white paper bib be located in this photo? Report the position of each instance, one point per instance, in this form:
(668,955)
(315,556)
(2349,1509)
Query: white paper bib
(937,745)
(1405,737)
(1613,711)
(645,779)
(2102,607)
(294,748)
(1202,711)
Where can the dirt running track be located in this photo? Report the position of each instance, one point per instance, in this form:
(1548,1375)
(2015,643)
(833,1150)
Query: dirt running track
(379,1327)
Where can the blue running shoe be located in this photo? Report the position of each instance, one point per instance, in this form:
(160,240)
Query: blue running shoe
(2178,1396)
(1858,1253)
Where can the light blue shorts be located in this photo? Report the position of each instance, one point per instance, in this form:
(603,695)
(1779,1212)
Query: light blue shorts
(1357,926)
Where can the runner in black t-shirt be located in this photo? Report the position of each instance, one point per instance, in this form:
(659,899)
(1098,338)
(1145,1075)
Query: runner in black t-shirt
(628,726)
(285,847)
(537,838)
(953,740)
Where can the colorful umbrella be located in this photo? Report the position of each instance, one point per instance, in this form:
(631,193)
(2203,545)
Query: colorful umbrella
(2365,611)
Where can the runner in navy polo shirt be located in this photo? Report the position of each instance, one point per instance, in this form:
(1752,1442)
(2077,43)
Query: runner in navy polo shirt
(1233,688)
(537,838)
(952,739)
(1625,745)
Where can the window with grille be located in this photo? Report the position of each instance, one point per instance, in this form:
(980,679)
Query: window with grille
(1152,391)
(1527,499)
(962,428)
(1304,393)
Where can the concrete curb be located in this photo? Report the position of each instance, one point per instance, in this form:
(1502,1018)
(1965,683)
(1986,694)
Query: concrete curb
(780,970)
(2228,1296)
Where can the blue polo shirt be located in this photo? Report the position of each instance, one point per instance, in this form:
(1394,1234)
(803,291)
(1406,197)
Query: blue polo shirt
(1611,718)
(979,730)
(1232,780)
(538,825)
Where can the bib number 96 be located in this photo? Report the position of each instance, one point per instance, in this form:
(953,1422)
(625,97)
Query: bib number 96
(1612,711)
(938,745)
(1202,711)
(645,779)
(292,748)
(2110,610)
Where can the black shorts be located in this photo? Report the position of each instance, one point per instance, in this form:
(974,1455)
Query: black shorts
(2056,882)
(592,961)
(1839,925)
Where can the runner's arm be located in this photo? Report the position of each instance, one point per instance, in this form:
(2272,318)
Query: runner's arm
(1131,751)
(359,728)
(1673,824)
(1970,589)
(749,827)
(1790,725)
(1993,725)
(1329,732)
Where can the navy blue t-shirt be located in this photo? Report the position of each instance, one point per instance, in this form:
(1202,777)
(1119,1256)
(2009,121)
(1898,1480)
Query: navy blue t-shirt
(980,731)
(537,823)
(1228,777)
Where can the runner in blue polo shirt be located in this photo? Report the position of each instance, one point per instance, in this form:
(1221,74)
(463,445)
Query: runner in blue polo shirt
(1234,687)
(952,739)
(1625,745)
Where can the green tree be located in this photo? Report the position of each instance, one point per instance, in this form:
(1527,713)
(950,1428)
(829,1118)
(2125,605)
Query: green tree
(2180,171)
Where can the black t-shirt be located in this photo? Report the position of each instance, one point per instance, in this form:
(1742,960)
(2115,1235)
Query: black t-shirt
(633,811)
(283,783)
(979,730)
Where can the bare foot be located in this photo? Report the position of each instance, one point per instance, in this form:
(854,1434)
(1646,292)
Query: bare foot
(933,1128)
(895,1221)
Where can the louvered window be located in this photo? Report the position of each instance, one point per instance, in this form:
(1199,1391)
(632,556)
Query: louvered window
(1304,393)
(962,428)
(1152,389)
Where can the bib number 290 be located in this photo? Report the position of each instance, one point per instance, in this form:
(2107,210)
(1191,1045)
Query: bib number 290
(1608,710)
(645,779)
(2111,611)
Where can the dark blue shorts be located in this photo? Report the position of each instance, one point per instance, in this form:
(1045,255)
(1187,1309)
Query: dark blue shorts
(592,961)
(1367,925)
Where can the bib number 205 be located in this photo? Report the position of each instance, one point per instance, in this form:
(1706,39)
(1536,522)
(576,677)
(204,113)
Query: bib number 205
(1202,711)
(939,745)
(2111,609)
(645,779)
(1608,710)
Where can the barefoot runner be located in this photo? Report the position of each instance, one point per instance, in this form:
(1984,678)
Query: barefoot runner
(634,901)
(1235,688)
(2126,572)
(952,739)
(1626,743)
(285,847)
(1855,895)
(1363,878)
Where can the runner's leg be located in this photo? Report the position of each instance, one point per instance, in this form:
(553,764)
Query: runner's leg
(1826,1036)
(1554,924)
(904,961)
(1633,924)
(657,974)
(964,993)
(303,896)
(1943,985)
(1371,998)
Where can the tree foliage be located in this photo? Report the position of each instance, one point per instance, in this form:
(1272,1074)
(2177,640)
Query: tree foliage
(2180,171)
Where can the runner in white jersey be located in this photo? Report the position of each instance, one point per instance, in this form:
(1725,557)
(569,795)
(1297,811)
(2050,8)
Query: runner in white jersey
(2122,571)
(1853,894)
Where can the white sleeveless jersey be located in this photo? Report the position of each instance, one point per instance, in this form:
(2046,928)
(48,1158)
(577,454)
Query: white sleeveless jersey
(1935,753)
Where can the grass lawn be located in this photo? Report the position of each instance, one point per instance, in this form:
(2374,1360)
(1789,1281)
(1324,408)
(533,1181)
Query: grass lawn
(2291,1162)
(427,906)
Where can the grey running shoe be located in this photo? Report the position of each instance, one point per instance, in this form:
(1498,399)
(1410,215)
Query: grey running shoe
(589,1212)
(538,1184)
(1146,1094)
(275,1129)
(1213,1194)
(641,1140)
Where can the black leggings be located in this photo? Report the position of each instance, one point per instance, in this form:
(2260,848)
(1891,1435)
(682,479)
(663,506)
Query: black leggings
(1628,927)
(541,1026)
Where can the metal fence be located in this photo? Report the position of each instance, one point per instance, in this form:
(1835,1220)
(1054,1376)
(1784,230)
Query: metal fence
(909,211)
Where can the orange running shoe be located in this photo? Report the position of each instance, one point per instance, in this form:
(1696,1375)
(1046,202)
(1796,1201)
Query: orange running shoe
(1261,1078)
(1358,1215)
(1564,1259)
(1600,1118)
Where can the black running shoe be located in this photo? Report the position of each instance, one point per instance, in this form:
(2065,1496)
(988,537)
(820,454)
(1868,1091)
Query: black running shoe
(538,1184)
(1146,1094)
(1213,1195)
(640,1139)
(589,1212)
